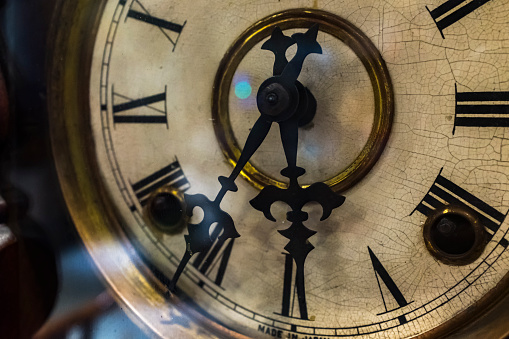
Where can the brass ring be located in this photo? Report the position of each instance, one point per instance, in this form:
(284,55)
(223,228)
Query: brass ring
(471,217)
(348,34)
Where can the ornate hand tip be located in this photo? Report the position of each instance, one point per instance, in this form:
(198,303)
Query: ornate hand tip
(324,195)
(313,31)
(278,42)
(308,40)
(334,201)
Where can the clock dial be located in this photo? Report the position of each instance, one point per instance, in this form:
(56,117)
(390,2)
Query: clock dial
(403,113)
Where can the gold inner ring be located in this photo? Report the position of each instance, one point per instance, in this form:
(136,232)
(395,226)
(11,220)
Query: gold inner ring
(349,35)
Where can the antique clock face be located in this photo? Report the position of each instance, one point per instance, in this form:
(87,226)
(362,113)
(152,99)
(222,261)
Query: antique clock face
(361,149)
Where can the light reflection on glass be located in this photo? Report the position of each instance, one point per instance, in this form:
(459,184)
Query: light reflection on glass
(243,90)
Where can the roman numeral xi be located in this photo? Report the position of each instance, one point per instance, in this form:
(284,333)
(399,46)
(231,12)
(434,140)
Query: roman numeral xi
(481,109)
(452,11)
(445,192)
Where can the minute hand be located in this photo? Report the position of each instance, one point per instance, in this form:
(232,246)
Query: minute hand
(307,44)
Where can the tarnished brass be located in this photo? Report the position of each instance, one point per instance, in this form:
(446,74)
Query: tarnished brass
(173,227)
(468,216)
(132,283)
(348,34)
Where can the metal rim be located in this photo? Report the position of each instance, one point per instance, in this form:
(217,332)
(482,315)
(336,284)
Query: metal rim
(341,29)
(455,259)
(72,39)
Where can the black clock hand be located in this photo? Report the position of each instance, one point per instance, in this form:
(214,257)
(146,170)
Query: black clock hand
(278,44)
(307,44)
(254,140)
(199,239)
(295,196)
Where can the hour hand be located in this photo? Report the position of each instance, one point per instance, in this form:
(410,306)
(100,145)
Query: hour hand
(254,140)
(199,239)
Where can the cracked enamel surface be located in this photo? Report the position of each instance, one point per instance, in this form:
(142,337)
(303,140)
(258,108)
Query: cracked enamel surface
(135,60)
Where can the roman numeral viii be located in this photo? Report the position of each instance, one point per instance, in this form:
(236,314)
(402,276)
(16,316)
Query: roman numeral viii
(147,110)
(453,10)
(445,192)
(170,30)
(169,175)
(481,109)
(383,276)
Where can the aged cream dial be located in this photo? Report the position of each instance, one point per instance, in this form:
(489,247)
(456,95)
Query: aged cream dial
(410,124)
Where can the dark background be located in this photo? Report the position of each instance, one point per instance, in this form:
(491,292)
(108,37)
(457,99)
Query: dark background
(46,279)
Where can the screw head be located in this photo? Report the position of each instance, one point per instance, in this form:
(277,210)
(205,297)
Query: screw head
(272,98)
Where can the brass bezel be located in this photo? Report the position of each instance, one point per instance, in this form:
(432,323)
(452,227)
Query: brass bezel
(137,289)
(348,34)
(458,259)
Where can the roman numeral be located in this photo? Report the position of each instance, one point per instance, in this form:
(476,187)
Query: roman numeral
(170,30)
(153,112)
(169,175)
(287,285)
(382,274)
(218,254)
(293,287)
(445,192)
(481,109)
(443,16)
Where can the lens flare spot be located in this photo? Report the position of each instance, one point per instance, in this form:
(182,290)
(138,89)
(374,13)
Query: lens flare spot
(243,90)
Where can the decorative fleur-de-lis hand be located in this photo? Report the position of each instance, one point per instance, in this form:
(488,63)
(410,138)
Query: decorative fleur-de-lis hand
(281,99)
(296,196)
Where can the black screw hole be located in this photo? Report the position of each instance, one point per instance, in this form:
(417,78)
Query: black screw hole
(166,210)
(453,234)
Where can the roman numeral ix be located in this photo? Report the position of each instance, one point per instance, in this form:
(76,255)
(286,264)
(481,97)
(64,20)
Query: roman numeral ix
(169,175)
(156,104)
(481,109)
(445,192)
(453,10)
